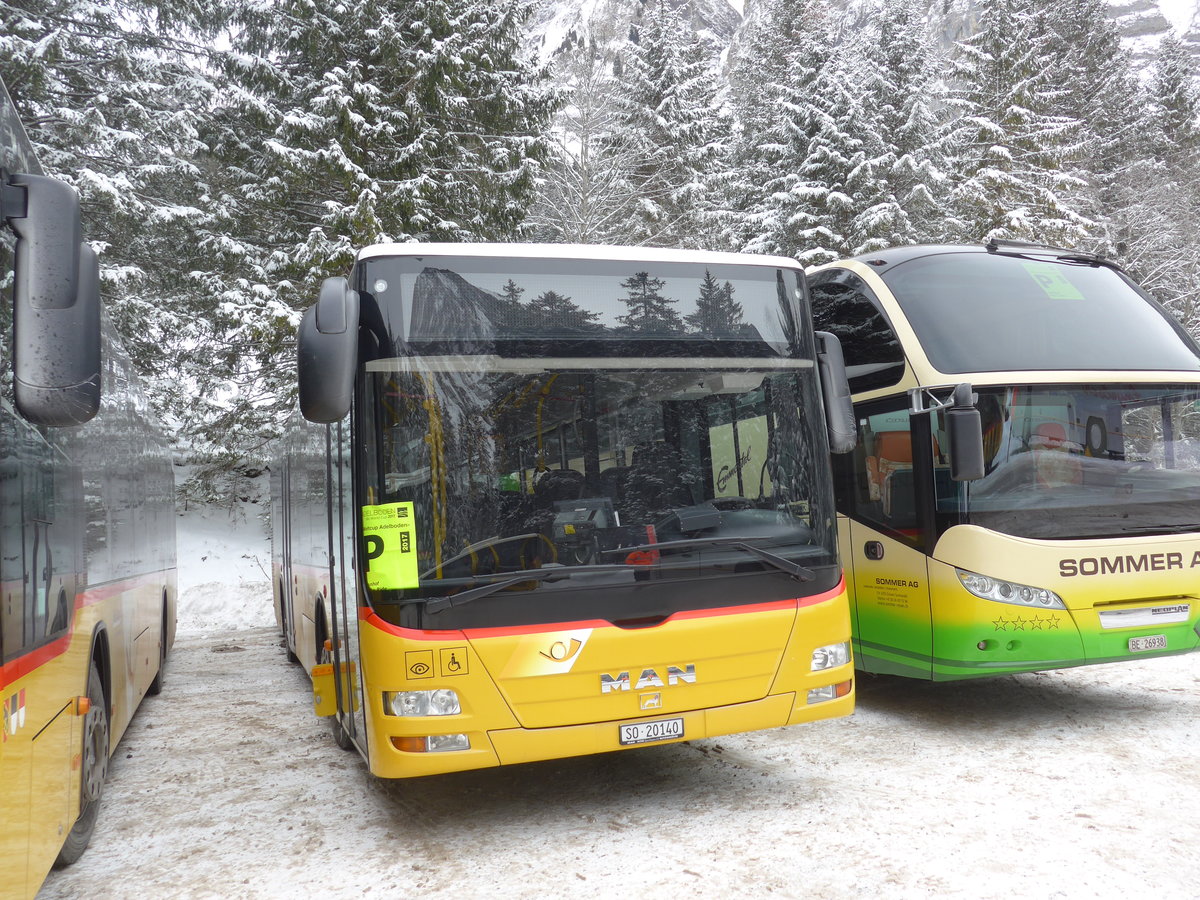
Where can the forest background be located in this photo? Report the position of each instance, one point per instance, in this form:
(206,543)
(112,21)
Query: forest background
(231,155)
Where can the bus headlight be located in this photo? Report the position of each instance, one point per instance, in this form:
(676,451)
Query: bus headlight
(421,703)
(1009,591)
(830,656)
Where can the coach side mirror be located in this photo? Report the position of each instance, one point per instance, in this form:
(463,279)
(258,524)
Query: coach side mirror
(964,432)
(328,352)
(56,302)
(835,391)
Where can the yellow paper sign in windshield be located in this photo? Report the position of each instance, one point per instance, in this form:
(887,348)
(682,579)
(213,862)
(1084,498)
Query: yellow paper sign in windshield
(390,535)
(1052,281)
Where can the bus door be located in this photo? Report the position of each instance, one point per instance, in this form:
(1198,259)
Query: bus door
(344,612)
(883,539)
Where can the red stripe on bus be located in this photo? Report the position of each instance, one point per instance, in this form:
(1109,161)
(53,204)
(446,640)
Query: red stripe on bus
(18,668)
(369,616)
(23,665)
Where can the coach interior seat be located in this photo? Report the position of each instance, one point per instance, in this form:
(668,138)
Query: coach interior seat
(893,452)
(1053,461)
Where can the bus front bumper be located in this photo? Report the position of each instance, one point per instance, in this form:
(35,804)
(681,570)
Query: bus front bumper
(520,745)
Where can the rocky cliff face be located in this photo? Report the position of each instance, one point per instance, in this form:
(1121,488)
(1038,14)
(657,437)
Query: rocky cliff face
(563,27)
(1143,23)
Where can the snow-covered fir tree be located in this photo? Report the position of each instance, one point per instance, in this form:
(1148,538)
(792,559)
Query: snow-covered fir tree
(903,88)
(586,193)
(1093,83)
(668,108)
(769,206)
(350,124)
(1159,218)
(1014,154)
(116,97)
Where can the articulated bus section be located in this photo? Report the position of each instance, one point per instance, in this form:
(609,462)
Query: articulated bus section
(1076,539)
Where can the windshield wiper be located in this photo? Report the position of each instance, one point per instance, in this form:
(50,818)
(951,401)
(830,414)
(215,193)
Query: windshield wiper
(1189,528)
(797,571)
(508,580)
(1027,250)
(512,579)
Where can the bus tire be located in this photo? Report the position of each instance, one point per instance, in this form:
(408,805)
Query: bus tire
(156,685)
(340,737)
(93,772)
(283,626)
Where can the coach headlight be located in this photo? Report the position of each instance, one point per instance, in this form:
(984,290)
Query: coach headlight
(421,703)
(1009,592)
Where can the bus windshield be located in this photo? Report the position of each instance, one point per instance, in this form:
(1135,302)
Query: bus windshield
(980,312)
(1083,461)
(597,439)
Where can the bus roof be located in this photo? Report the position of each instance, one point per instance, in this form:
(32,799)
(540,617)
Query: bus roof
(882,260)
(604,252)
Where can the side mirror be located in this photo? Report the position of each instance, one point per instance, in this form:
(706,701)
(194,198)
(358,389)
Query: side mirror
(835,391)
(964,432)
(56,303)
(327,353)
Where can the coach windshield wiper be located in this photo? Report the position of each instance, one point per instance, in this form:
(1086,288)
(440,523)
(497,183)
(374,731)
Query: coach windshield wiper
(797,571)
(1188,528)
(1027,250)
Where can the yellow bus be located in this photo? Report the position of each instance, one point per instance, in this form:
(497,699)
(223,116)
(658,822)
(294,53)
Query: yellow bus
(567,500)
(87,555)
(1076,540)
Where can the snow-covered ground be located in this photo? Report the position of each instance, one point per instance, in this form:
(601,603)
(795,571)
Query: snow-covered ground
(1072,784)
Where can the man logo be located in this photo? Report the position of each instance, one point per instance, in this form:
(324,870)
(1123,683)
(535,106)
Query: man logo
(650,701)
(649,678)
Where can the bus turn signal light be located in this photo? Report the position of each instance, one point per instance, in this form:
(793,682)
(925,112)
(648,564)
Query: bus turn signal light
(436,743)
(829,692)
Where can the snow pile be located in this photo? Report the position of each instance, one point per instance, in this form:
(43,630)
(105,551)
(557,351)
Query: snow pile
(224,566)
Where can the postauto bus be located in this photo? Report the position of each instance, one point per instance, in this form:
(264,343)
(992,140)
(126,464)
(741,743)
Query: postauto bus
(556,500)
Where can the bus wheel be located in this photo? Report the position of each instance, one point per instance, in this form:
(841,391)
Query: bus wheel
(156,685)
(340,737)
(283,624)
(93,771)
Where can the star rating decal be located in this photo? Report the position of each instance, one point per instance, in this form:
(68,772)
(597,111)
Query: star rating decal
(1036,623)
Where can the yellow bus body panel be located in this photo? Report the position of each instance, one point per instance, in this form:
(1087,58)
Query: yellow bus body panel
(563,690)
(41,746)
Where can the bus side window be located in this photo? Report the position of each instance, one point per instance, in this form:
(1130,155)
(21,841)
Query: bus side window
(12,603)
(844,305)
